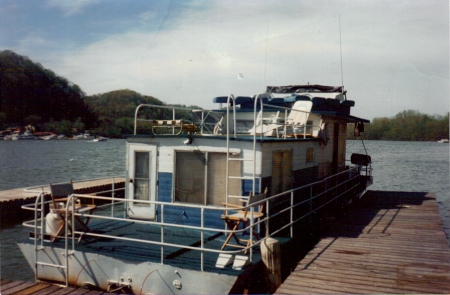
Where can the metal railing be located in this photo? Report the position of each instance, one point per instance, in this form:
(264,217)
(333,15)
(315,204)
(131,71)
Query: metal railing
(316,196)
(39,220)
(232,122)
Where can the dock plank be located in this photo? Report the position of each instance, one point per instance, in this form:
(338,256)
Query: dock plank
(49,289)
(20,193)
(34,288)
(19,288)
(389,242)
(4,282)
(9,287)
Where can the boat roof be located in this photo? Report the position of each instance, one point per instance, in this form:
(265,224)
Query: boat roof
(342,116)
(326,100)
(304,88)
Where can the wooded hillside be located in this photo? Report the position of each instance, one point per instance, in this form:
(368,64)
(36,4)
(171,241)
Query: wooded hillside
(33,95)
(115,111)
(408,125)
(30,94)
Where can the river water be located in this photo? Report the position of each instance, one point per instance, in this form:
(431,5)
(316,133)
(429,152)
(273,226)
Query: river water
(397,166)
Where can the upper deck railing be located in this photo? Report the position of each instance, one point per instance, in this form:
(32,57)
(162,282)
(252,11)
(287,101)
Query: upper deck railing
(266,120)
(315,196)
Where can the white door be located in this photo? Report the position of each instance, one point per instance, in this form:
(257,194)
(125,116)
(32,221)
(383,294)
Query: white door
(142,180)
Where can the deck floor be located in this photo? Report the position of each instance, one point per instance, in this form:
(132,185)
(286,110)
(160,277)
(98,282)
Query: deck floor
(20,287)
(389,242)
(143,252)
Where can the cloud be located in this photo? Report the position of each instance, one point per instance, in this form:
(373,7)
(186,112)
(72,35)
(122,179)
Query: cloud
(191,53)
(71,7)
(110,64)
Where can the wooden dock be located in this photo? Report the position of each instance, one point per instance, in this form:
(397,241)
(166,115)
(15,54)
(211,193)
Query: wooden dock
(12,200)
(20,193)
(9,287)
(388,242)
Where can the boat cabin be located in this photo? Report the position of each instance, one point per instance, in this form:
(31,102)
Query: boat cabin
(281,139)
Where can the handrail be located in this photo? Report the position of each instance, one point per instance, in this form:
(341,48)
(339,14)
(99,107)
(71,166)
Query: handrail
(230,103)
(173,108)
(32,189)
(352,174)
(38,208)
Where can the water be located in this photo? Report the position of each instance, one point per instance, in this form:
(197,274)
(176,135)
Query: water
(397,166)
(34,162)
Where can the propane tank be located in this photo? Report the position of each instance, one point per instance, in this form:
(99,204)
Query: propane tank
(52,223)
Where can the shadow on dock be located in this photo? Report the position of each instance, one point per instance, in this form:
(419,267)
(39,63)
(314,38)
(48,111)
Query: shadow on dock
(386,242)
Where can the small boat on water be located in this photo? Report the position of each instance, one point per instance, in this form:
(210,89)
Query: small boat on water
(443,141)
(26,135)
(204,197)
(100,138)
(49,137)
(76,137)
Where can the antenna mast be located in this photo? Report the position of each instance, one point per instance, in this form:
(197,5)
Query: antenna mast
(340,45)
(265,62)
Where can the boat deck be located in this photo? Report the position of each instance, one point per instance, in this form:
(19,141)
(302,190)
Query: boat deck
(145,252)
(389,242)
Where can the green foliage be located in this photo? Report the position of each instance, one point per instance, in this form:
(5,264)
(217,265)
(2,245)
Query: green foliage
(115,112)
(117,104)
(125,125)
(61,127)
(408,125)
(78,125)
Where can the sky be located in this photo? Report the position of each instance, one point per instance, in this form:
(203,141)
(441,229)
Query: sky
(390,56)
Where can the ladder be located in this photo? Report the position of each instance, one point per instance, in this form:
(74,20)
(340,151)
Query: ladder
(253,178)
(39,241)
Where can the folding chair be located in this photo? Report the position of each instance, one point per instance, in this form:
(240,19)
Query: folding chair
(297,118)
(244,216)
(269,125)
(60,194)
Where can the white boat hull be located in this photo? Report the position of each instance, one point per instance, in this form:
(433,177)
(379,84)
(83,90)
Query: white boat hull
(108,273)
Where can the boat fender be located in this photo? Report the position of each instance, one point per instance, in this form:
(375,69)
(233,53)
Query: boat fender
(52,223)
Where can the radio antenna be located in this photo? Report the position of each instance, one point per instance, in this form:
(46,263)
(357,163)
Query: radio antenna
(267,45)
(340,45)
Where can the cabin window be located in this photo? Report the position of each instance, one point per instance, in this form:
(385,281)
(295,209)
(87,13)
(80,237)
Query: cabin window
(281,171)
(142,177)
(310,155)
(309,127)
(200,177)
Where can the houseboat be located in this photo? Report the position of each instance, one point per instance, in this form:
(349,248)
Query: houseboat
(204,193)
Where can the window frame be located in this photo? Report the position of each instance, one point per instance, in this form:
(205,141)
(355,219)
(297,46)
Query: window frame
(206,158)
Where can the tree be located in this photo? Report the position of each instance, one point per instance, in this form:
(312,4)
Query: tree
(407,125)
(78,125)
(27,89)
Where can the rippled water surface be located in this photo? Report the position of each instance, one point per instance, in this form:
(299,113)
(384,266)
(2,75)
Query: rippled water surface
(397,166)
(33,162)
(410,166)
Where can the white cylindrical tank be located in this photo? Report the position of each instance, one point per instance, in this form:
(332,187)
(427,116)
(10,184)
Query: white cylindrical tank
(52,223)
